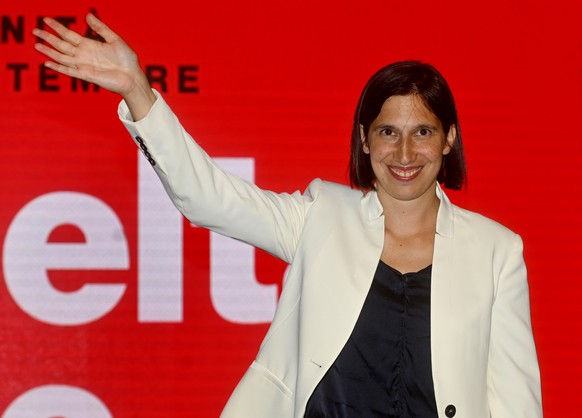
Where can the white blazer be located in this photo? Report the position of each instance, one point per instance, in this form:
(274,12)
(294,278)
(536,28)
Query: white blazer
(484,361)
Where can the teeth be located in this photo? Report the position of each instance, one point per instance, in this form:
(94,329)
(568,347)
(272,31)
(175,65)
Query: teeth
(407,173)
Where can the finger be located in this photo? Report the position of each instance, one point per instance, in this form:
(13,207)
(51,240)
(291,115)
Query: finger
(64,69)
(101,28)
(68,35)
(57,43)
(56,56)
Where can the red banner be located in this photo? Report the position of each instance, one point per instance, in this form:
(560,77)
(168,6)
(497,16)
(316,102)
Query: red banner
(112,305)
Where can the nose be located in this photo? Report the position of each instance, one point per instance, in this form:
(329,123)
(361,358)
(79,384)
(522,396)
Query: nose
(404,151)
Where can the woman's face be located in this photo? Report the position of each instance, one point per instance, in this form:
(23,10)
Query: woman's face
(406,143)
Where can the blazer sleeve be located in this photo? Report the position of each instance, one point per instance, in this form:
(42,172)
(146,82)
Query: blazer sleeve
(513,372)
(211,198)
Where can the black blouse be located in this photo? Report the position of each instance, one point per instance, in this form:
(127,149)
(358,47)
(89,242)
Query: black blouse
(384,370)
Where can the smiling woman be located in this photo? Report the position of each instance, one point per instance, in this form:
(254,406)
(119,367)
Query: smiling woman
(406,144)
(397,303)
(405,124)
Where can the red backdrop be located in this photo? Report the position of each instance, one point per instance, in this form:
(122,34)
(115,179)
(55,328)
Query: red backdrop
(269,87)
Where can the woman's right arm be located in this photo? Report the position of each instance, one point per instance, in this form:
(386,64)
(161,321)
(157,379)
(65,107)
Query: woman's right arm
(204,193)
(111,64)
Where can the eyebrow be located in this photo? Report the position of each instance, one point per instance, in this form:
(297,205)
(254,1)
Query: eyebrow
(415,127)
(424,125)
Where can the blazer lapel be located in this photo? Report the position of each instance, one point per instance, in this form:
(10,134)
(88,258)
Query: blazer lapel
(443,273)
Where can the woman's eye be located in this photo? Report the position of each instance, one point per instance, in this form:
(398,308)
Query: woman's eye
(424,132)
(387,132)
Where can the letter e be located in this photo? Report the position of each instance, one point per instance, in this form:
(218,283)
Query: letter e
(28,255)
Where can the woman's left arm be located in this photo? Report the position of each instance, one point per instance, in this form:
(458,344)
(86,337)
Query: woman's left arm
(513,379)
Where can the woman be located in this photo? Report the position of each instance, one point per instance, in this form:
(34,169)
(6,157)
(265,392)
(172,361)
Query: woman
(397,303)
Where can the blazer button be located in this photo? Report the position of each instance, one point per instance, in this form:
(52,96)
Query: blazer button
(450,411)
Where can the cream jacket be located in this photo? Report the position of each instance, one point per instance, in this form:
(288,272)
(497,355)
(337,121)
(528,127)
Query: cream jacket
(484,360)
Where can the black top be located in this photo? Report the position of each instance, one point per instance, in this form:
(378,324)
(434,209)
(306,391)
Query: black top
(384,370)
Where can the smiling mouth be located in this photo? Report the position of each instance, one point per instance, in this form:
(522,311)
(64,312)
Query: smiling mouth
(405,174)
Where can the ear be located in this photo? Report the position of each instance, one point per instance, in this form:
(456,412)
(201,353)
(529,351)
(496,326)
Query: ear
(365,147)
(451,136)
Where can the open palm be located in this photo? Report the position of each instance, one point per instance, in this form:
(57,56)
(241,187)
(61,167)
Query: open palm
(111,64)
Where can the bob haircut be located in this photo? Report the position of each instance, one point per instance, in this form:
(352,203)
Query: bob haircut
(402,79)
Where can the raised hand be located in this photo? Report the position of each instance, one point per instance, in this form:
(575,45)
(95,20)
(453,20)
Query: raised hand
(112,64)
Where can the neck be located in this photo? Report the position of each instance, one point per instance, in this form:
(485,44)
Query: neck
(411,217)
